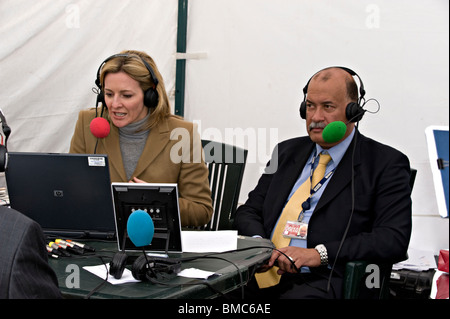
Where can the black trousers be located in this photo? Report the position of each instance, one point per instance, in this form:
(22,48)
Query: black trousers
(295,286)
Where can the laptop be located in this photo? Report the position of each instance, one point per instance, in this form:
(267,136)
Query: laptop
(69,195)
(160,201)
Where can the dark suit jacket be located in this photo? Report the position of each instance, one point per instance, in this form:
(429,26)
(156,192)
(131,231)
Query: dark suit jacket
(381,223)
(24,270)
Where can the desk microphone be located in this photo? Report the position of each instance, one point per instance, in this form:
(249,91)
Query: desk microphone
(140,228)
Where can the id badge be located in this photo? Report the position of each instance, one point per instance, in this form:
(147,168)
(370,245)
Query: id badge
(295,229)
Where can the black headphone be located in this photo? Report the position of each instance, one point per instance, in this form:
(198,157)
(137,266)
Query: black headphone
(151,97)
(354,111)
(4,134)
(143,267)
(117,264)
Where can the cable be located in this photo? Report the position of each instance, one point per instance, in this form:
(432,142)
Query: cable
(104,281)
(212,255)
(199,282)
(183,259)
(99,286)
(376,101)
(351,212)
(147,263)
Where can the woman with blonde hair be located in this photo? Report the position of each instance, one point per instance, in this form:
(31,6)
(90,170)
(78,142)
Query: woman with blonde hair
(145,142)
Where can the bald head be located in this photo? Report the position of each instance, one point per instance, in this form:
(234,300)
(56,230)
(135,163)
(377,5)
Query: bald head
(340,75)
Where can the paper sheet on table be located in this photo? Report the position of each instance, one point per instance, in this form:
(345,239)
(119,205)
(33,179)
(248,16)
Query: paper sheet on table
(195,273)
(101,271)
(209,241)
(418,260)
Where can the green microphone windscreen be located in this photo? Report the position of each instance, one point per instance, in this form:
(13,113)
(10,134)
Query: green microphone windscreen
(334,132)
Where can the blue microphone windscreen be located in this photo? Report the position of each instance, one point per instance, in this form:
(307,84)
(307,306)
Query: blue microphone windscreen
(140,228)
(334,132)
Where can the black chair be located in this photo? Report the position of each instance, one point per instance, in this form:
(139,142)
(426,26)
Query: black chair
(355,271)
(226,165)
(356,274)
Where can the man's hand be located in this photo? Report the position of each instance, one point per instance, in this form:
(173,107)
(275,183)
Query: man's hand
(299,256)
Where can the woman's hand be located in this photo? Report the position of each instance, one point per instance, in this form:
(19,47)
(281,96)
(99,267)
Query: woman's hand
(136,180)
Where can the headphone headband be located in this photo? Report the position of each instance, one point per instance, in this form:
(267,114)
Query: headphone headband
(125,55)
(362,91)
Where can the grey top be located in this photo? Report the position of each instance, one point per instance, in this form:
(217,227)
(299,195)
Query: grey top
(132,142)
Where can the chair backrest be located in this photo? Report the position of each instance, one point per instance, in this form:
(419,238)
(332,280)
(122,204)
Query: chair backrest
(355,281)
(226,165)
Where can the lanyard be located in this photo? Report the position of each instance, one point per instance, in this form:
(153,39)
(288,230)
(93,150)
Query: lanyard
(306,204)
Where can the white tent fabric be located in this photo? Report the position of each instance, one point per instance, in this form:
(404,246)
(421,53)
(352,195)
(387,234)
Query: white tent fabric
(260,54)
(247,62)
(51,50)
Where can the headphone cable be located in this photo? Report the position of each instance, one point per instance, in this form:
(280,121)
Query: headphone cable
(351,212)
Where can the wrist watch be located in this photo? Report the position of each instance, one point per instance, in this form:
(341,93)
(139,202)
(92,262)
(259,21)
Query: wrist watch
(322,250)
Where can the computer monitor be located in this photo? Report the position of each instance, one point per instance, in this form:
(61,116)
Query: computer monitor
(438,151)
(160,201)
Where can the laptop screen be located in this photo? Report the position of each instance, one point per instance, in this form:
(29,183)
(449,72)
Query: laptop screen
(69,195)
(160,201)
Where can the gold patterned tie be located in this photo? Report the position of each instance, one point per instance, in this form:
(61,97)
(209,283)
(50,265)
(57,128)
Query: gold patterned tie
(291,212)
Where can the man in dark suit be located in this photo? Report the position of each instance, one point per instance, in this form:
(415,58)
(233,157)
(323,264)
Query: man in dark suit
(24,270)
(367,191)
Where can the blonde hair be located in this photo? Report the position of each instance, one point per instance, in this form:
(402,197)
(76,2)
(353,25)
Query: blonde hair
(131,62)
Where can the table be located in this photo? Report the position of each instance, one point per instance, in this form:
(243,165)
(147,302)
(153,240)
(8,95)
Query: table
(75,282)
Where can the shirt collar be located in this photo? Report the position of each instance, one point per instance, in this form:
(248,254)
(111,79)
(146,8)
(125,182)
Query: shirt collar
(337,152)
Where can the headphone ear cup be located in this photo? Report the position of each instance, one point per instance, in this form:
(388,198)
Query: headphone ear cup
(354,112)
(117,264)
(3,158)
(303,110)
(139,268)
(151,98)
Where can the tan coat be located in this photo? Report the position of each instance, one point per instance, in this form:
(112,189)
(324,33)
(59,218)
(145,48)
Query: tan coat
(172,154)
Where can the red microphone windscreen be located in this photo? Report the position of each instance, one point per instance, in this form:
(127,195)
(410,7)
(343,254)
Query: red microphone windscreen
(99,127)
